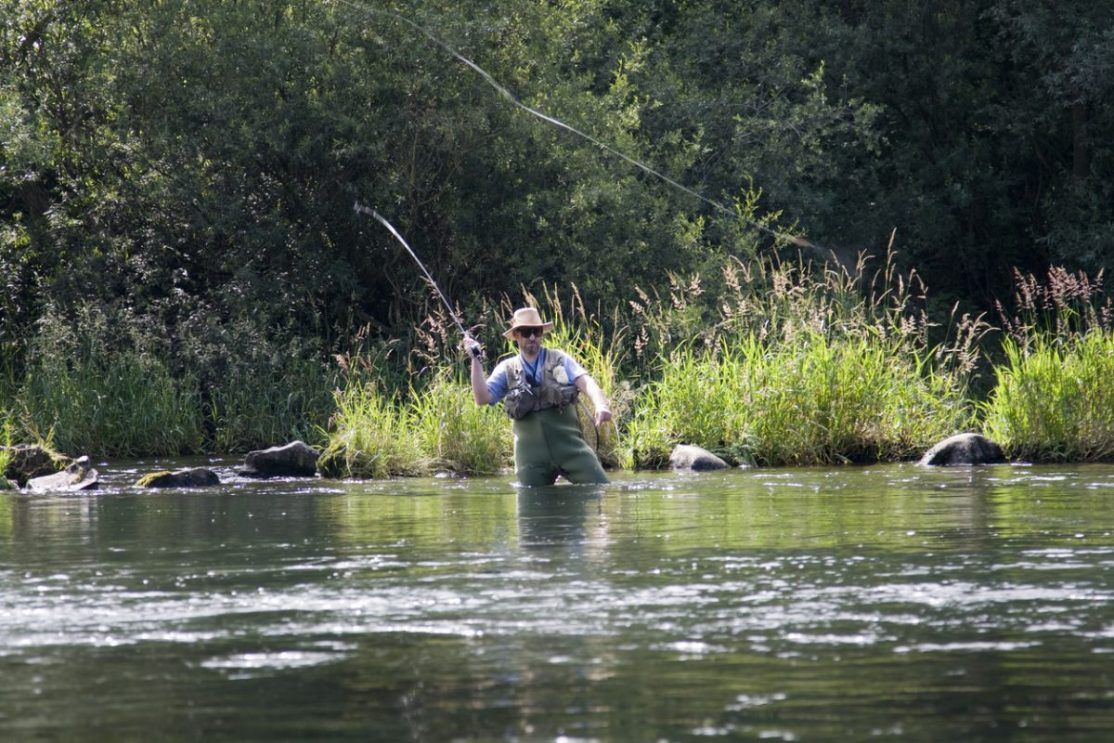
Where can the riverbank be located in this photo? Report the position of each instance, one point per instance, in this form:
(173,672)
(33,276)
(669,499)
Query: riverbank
(774,364)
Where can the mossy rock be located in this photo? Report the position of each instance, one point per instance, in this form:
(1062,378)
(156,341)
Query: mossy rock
(197,477)
(152,479)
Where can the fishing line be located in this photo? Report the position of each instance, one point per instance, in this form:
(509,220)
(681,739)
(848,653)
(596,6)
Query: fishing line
(361,7)
(360,209)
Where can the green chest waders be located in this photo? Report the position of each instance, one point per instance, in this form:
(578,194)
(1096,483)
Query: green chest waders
(547,443)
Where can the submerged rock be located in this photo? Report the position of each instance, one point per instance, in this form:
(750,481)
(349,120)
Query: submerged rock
(964,449)
(79,475)
(296,459)
(689,457)
(197,477)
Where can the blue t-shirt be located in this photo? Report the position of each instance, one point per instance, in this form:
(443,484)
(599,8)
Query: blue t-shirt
(497,382)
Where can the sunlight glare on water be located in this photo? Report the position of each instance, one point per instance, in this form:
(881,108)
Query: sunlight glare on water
(839,603)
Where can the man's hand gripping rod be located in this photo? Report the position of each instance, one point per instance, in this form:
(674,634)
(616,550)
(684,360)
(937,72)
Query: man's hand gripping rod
(475,348)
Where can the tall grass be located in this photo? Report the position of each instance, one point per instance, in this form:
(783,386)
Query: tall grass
(1054,397)
(96,384)
(89,391)
(818,401)
(6,427)
(268,403)
(373,435)
(376,434)
(454,433)
(124,404)
(699,399)
(800,365)
(1055,402)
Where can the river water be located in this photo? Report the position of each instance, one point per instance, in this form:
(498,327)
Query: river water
(838,604)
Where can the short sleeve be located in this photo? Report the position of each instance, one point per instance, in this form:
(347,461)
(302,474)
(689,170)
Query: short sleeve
(497,382)
(573,368)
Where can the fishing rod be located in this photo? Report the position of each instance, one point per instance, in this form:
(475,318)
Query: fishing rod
(361,209)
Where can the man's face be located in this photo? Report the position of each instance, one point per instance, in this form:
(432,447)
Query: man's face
(529,340)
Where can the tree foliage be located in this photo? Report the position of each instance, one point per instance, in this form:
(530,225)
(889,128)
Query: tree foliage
(191,165)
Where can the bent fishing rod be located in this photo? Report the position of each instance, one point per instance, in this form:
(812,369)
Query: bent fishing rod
(359,208)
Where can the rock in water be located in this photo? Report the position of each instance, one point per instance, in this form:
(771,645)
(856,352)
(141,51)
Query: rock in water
(296,459)
(78,476)
(198,477)
(689,457)
(28,461)
(964,449)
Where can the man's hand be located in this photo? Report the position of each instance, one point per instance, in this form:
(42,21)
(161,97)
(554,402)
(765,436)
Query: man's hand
(473,347)
(603,415)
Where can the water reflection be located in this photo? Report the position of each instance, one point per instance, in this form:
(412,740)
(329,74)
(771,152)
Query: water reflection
(560,514)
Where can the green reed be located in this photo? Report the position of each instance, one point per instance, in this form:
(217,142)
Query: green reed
(372,436)
(89,389)
(816,401)
(119,404)
(797,364)
(269,403)
(6,439)
(1055,401)
(1054,396)
(438,427)
(454,433)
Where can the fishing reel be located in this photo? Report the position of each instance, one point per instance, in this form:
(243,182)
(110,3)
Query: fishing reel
(473,347)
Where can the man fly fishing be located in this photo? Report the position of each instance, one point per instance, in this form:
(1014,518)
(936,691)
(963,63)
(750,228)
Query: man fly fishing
(538,388)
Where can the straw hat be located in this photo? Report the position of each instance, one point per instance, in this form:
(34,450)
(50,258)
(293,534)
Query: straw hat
(527,317)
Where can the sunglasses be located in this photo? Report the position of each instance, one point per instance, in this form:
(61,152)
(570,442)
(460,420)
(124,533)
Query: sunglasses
(530,332)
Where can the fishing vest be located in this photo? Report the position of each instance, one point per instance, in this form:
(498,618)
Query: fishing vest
(555,390)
